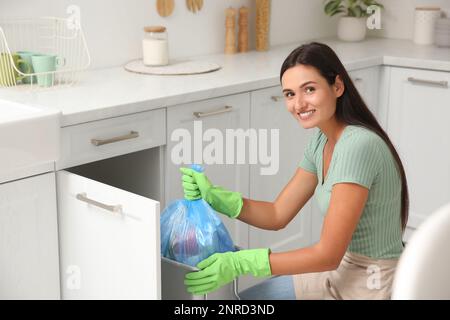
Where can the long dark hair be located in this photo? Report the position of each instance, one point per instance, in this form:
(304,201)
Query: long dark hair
(350,107)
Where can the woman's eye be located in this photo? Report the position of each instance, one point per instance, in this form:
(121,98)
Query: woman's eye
(309,89)
(288,94)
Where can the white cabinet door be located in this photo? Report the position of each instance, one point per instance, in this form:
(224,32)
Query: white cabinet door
(418,124)
(268,111)
(367,82)
(29,263)
(107,252)
(230,112)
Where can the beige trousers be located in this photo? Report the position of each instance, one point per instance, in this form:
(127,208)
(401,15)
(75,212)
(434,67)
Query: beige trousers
(357,277)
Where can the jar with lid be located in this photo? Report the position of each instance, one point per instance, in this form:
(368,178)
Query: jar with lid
(424,22)
(155,46)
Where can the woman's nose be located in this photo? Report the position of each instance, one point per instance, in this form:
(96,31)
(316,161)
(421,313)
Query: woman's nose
(299,104)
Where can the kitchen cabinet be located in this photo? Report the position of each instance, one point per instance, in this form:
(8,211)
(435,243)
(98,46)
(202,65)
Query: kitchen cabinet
(194,120)
(368,85)
(109,206)
(29,239)
(268,112)
(418,116)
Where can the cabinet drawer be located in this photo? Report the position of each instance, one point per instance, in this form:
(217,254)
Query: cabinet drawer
(112,137)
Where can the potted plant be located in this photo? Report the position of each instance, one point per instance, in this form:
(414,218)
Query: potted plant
(352,25)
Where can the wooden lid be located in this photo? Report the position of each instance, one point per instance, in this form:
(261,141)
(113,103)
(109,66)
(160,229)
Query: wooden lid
(430,8)
(157,29)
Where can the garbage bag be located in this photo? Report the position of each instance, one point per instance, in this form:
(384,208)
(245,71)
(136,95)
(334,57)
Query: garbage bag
(191,231)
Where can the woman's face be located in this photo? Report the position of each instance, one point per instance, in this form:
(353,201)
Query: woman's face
(309,97)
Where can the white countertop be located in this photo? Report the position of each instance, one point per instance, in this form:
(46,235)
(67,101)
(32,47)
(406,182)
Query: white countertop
(114,92)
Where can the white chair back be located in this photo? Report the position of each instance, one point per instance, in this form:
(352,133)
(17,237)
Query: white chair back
(423,271)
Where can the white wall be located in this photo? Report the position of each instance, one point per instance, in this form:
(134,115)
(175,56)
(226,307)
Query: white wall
(398,17)
(113,28)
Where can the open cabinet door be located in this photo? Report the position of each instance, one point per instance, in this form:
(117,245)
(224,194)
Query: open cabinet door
(109,241)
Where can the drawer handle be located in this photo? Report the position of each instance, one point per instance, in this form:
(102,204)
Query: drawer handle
(277,98)
(212,113)
(357,79)
(443,84)
(99,142)
(115,209)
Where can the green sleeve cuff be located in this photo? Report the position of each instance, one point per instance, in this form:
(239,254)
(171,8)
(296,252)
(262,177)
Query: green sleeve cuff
(240,204)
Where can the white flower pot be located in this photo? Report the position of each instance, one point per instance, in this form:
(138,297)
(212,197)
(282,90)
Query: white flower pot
(351,28)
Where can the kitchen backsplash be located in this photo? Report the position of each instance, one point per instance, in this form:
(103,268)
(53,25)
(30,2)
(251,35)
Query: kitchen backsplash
(398,17)
(113,28)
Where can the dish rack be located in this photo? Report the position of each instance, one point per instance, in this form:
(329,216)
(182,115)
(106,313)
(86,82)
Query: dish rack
(61,37)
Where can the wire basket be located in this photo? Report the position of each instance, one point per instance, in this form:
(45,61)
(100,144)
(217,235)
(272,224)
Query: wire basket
(41,52)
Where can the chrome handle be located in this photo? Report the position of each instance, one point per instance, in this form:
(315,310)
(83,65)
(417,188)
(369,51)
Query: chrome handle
(212,113)
(113,208)
(277,98)
(357,79)
(99,142)
(443,84)
(235,289)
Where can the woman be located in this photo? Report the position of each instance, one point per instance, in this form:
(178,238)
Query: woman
(356,175)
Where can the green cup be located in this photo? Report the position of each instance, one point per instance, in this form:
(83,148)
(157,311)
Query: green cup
(8,74)
(26,56)
(46,63)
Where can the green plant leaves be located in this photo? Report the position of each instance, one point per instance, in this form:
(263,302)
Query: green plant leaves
(369,3)
(352,8)
(356,11)
(333,7)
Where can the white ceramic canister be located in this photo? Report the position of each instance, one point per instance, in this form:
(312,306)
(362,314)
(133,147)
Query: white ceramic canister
(155,47)
(424,22)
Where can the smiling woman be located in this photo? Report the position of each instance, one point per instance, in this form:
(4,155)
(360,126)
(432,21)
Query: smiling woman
(361,187)
(318,61)
(354,171)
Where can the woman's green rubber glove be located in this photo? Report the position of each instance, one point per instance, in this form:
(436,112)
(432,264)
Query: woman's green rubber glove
(196,186)
(222,268)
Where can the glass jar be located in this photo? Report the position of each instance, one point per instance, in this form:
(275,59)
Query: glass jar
(155,48)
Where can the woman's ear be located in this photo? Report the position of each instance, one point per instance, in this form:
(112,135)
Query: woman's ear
(339,86)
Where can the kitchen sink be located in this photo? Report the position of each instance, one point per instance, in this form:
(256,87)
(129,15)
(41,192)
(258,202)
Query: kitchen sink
(29,138)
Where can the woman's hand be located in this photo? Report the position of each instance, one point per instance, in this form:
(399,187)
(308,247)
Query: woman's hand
(222,268)
(196,186)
